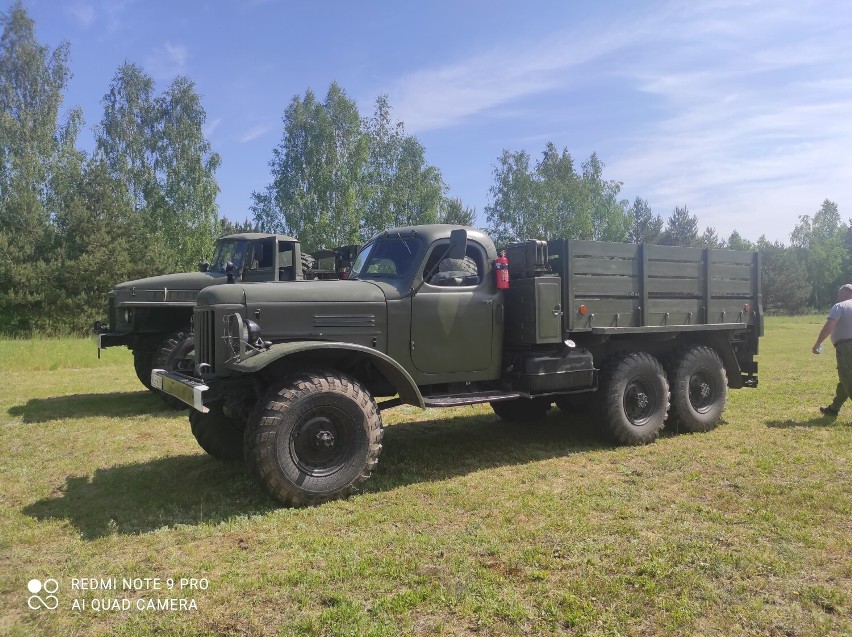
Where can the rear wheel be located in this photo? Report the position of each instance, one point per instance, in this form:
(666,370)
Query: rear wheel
(520,410)
(699,389)
(313,438)
(218,435)
(634,397)
(176,354)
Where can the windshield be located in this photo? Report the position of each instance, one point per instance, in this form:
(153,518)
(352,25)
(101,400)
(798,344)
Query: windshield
(233,251)
(387,258)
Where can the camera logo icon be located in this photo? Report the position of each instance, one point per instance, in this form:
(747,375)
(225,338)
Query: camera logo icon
(49,600)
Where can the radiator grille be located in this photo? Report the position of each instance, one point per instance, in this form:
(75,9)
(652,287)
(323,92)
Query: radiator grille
(205,341)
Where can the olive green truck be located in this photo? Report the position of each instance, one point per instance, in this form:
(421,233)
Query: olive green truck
(153,316)
(288,376)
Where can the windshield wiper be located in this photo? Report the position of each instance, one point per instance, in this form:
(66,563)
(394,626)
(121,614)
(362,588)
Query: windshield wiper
(404,243)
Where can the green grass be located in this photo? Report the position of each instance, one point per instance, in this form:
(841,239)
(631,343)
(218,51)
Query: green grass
(469,526)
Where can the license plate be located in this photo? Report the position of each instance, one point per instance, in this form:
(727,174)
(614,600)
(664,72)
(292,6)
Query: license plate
(156,379)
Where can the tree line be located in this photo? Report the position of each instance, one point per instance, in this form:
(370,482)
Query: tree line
(553,198)
(143,201)
(73,224)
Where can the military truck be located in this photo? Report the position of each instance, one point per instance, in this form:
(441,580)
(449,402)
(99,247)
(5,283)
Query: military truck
(333,263)
(288,377)
(152,316)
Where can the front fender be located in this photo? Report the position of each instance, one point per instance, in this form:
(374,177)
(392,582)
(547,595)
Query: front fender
(393,371)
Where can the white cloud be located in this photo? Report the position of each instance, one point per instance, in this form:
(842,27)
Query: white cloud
(253,133)
(110,15)
(212,126)
(739,110)
(82,13)
(168,60)
(448,95)
(757,128)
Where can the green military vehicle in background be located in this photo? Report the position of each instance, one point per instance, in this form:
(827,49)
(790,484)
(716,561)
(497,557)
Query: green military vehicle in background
(153,316)
(332,263)
(288,376)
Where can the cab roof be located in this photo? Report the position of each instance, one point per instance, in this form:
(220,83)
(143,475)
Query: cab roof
(253,236)
(434,231)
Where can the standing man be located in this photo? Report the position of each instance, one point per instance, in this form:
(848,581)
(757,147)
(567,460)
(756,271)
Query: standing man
(839,326)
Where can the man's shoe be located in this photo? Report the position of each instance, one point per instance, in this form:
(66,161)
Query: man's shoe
(828,411)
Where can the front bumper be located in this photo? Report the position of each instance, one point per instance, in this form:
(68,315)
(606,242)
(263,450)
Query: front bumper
(185,389)
(104,338)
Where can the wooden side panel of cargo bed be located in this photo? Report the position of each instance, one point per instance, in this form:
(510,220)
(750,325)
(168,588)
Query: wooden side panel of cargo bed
(628,285)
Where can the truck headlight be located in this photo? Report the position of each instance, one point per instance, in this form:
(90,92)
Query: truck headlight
(250,332)
(242,337)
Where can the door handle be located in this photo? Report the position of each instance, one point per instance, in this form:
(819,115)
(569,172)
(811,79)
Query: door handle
(488,301)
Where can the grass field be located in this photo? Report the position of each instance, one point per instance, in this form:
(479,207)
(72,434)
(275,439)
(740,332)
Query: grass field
(469,526)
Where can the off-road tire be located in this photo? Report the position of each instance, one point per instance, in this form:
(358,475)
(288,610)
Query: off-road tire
(218,435)
(142,364)
(314,437)
(699,389)
(521,410)
(175,354)
(633,398)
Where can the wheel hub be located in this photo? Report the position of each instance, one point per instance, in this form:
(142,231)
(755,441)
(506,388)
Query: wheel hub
(323,440)
(702,391)
(319,442)
(639,402)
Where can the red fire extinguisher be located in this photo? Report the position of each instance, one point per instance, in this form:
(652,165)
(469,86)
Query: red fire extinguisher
(501,267)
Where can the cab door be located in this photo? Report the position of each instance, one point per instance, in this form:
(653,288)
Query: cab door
(260,264)
(452,322)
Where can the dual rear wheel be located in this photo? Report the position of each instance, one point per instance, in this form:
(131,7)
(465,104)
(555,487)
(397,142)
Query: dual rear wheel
(637,396)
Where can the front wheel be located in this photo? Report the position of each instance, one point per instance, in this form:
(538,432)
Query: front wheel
(699,389)
(634,397)
(176,354)
(142,365)
(217,434)
(314,438)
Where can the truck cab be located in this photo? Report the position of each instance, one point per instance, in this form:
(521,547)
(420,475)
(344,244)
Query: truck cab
(444,309)
(152,316)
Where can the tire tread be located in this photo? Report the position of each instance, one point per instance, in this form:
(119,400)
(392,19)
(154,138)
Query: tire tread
(610,400)
(260,434)
(684,357)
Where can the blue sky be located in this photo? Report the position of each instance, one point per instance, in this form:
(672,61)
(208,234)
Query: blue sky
(741,111)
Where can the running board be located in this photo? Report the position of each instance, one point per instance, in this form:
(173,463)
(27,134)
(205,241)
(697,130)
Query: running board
(455,400)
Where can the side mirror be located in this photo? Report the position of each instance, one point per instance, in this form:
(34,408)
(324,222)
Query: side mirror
(229,270)
(458,244)
(203,266)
